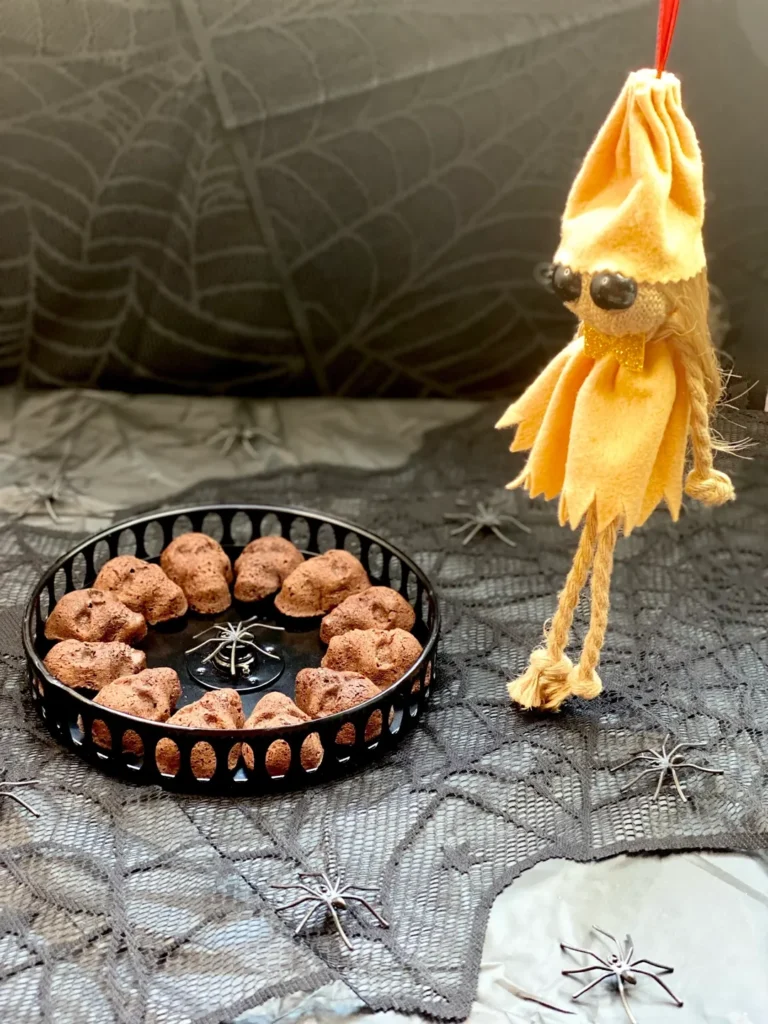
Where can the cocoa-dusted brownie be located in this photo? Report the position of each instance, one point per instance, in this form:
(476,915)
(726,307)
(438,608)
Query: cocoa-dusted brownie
(323,691)
(143,587)
(263,566)
(94,615)
(219,709)
(374,608)
(383,655)
(321,583)
(201,567)
(275,710)
(93,665)
(150,694)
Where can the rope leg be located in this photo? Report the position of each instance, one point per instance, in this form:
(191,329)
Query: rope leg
(583,679)
(544,684)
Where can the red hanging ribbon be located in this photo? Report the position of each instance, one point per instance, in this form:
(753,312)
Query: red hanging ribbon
(666,29)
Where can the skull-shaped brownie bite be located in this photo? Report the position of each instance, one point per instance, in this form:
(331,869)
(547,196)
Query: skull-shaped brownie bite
(93,665)
(321,583)
(382,655)
(275,710)
(142,587)
(150,694)
(374,608)
(219,709)
(322,691)
(94,615)
(201,567)
(263,566)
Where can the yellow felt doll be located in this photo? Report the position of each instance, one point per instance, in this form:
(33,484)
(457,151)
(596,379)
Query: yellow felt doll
(609,421)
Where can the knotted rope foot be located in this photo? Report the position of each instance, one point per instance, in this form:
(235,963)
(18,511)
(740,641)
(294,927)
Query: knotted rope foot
(712,488)
(584,684)
(544,684)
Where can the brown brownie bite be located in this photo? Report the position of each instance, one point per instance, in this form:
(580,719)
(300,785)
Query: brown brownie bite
(383,655)
(93,665)
(94,615)
(219,709)
(374,608)
(201,567)
(142,587)
(321,583)
(322,691)
(263,566)
(273,711)
(151,694)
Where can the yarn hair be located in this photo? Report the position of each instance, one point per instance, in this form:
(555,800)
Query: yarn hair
(688,325)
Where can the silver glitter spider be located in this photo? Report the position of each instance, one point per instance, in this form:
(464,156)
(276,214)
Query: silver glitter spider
(333,895)
(233,643)
(619,966)
(484,518)
(665,761)
(7,788)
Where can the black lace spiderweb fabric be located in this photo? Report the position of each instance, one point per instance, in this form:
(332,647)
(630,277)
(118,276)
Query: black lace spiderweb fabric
(132,905)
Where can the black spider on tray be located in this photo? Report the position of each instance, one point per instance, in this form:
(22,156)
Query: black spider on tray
(232,644)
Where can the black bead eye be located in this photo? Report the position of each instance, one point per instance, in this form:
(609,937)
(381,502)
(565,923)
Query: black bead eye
(566,283)
(613,291)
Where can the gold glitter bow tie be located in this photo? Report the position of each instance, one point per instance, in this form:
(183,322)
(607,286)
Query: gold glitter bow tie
(629,349)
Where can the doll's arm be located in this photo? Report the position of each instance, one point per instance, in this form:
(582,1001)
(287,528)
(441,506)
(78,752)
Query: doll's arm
(704,483)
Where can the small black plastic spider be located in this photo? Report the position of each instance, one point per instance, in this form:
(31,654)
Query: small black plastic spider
(332,895)
(663,761)
(620,966)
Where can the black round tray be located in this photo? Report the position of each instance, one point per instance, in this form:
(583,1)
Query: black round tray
(69,714)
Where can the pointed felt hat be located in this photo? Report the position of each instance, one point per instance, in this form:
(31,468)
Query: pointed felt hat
(637,204)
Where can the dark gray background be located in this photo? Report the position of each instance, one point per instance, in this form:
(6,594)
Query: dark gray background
(293,197)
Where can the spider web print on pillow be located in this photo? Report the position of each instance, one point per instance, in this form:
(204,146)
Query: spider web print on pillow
(122,898)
